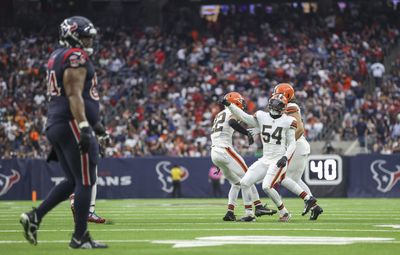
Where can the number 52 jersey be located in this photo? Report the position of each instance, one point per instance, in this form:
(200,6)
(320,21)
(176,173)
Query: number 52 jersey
(274,133)
(222,132)
(59,109)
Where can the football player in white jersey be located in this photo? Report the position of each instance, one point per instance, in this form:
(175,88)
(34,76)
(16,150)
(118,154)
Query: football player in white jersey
(298,164)
(279,144)
(230,162)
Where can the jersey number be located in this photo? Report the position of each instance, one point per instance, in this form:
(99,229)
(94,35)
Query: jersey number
(218,121)
(52,86)
(277,134)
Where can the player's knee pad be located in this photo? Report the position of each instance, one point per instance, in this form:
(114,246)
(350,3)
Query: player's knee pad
(245,183)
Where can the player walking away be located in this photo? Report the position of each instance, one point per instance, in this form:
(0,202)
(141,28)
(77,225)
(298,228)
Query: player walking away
(279,144)
(72,112)
(298,163)
(231,163)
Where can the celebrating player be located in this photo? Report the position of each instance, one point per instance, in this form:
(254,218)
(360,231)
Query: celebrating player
(298,163)
(279,144)
(72,112)
(230,162)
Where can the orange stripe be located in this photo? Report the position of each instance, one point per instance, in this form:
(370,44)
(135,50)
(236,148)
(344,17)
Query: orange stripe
(236,158)
(279,172)
(291,109)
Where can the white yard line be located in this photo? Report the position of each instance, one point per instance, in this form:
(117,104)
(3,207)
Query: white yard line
(211,229)
(67,241)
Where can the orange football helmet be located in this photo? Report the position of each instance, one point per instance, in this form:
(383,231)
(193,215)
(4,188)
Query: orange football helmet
(237,99)
(286,89)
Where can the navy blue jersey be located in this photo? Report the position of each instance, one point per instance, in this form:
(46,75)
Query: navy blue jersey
(59,110)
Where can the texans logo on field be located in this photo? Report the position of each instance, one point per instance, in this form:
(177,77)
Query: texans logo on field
(164,175)
(6,182)
(386,179)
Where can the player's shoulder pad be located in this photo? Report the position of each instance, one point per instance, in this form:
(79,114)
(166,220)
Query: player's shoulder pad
(258,114)
(292,108)
(292,122)
(75,58)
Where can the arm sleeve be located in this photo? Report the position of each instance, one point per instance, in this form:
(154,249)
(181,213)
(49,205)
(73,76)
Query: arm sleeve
(291,142)
(237,127)
(246,118)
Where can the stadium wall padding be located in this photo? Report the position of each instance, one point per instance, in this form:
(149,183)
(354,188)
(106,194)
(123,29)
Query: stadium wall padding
(362,176)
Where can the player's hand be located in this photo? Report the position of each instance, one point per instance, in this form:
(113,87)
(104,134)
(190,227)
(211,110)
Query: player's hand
(85,139)
(102,135)
(251,139)
(253,131)
(52,156)
(224,102)
(282,162)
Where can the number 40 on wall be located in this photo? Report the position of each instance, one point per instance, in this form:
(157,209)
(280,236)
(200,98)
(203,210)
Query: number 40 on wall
(323,170)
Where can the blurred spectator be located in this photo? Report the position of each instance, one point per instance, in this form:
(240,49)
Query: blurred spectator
(176,175)
(214,176)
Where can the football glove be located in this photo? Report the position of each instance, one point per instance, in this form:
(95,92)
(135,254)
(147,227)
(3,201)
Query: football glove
(102,135)
(253,131)
(225,102)
(282,162)
(251,139)
(84,141)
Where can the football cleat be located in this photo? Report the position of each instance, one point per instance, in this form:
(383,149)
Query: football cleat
(308,205)
(86,242)
(229,216)
(30,223)
(285,218)
(315,212)
(93,217)
(248,218)
(264,210)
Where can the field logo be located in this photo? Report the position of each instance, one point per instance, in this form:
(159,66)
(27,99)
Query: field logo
(386,179)
(163,170)
(6,182)
(210,241)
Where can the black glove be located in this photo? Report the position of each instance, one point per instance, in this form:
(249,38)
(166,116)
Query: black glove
(282,162)
(251,139)
(225,102)
(84,141)
(52,156)
(102,136)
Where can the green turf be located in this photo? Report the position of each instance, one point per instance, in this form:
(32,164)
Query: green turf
(139,222)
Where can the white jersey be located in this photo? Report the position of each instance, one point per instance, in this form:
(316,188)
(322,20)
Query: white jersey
(274,133)
(222,132)
(302,146)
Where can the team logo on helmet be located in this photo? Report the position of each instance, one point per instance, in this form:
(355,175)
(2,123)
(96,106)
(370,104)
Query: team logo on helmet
(164,175)
(6,182)
(385,179)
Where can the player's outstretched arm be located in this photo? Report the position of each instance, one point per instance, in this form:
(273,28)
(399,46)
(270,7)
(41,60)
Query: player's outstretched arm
(239,113)
(239,128)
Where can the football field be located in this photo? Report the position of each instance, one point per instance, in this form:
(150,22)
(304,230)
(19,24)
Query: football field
(195,226)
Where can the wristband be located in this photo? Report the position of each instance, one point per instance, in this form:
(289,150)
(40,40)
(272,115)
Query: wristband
(83,124)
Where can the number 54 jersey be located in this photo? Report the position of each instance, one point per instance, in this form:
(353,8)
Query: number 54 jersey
(274,133)
(222,132)
(59,109)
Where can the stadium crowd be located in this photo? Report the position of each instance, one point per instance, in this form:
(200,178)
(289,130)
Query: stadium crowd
(159,90)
